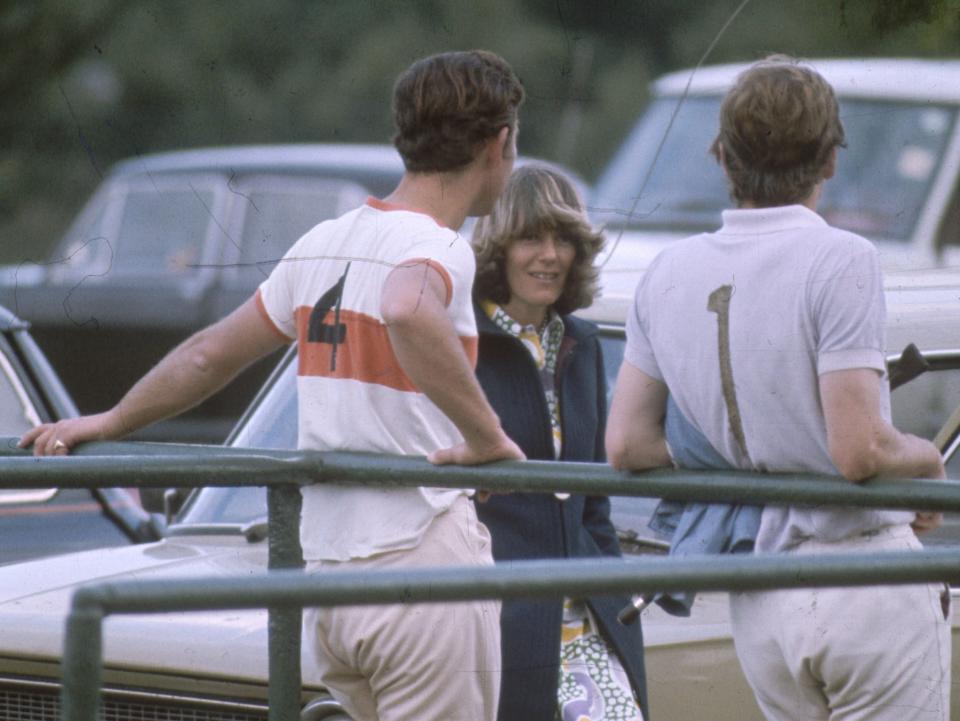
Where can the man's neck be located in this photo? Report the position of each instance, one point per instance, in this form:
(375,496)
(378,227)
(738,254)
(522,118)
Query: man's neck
(446,197)
(810,202)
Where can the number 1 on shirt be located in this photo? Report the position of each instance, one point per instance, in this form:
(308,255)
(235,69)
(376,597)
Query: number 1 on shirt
(719,303)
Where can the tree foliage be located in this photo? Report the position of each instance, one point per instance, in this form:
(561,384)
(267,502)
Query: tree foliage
(85,84)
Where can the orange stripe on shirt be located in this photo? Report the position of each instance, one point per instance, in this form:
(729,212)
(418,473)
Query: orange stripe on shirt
(386,207)
(365,354)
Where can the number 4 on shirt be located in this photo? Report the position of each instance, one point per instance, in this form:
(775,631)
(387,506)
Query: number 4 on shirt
(321,332)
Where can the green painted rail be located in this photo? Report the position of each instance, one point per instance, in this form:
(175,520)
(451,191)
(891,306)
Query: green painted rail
(284,590)
(167,465)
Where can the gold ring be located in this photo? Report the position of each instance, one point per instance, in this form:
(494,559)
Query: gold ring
(58,444)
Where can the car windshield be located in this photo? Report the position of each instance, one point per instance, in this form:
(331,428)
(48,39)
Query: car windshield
(883,176)
(273,424)
(921,407)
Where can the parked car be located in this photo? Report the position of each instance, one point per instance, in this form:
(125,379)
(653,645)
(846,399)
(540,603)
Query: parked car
(172,242)
(212,666)
(896,182)
(49,521)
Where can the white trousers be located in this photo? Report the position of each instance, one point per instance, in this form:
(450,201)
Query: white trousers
(414,662)
(848,654)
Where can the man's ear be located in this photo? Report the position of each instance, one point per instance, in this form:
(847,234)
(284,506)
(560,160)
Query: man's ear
(500,146)
(721,157)
(509,142)
(830,167)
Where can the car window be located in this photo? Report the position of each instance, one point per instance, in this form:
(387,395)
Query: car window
(141,225)
(17,414)
(882,180)
(272,424)
(611,345)
(278,212)
(164,229)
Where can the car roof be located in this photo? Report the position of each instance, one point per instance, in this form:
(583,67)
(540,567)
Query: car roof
(911,79)
(377,165)
(311,158)
(923,306)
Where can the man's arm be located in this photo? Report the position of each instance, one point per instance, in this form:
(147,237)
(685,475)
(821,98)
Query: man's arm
(862,444)
(191,372)
(426,344)
(635,438)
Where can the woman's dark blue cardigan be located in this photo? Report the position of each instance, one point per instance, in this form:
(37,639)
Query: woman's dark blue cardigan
(536,525)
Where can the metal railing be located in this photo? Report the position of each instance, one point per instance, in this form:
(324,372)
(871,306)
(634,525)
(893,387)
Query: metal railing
(285,592)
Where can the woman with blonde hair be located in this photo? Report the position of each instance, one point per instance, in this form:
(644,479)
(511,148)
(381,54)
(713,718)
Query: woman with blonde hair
(543,372)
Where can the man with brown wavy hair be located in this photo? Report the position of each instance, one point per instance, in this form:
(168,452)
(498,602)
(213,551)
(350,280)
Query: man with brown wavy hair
(769,335)
(779,132)
(379,304)
(446,106)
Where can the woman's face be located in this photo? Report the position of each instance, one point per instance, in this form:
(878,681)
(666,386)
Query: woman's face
(537,270)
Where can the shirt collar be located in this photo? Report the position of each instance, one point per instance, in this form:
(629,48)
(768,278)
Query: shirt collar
(505,322)
(753,221)
(386,207)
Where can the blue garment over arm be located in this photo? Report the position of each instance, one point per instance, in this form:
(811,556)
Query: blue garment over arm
(698,528)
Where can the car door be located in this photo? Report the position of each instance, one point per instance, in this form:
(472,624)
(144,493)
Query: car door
(48,521)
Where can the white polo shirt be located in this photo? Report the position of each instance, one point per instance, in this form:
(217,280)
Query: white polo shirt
(352,393)
(741,323)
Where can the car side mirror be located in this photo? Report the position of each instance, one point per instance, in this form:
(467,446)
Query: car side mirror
(911,364)
(167,501)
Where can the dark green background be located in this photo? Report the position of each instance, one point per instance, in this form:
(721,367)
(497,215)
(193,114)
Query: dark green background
(84,84)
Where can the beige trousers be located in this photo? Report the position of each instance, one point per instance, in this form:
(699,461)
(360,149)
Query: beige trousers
(418,662)
(848,654)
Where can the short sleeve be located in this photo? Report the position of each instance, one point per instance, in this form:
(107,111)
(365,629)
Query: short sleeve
(639,350)
(450,255)
(850,313)
(274,297)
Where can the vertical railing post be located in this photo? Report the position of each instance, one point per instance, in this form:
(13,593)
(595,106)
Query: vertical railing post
(283,508)
(82,661)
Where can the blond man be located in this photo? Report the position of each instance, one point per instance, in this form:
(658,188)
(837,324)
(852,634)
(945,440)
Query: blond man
(769,335)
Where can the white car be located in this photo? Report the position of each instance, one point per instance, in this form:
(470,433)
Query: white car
(212,666)
(896,182)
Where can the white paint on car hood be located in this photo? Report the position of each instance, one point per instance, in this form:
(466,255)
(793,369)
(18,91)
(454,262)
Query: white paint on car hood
(35,599)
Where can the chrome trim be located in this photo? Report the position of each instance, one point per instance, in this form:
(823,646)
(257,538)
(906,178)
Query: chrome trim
(15,497)
(939,354)
(205,529)
(322,708)
(110,692)
(952,448)
(22,496)
(30,411)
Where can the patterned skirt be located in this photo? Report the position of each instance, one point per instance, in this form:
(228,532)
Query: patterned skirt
(593,685)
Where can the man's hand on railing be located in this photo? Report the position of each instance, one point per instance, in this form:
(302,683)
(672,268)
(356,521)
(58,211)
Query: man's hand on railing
(925,521)
(473,454)
(56,439)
